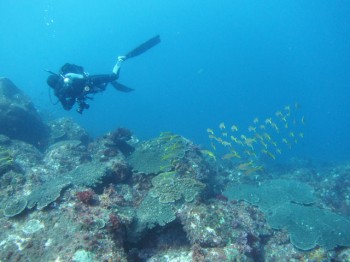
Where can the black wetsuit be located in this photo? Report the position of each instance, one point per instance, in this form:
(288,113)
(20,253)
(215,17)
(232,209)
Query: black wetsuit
(71,90)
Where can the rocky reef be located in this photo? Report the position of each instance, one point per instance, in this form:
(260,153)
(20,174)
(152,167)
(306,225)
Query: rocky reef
(68,197)
(18,116)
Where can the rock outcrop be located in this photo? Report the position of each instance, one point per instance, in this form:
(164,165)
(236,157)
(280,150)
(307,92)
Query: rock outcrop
(18,116)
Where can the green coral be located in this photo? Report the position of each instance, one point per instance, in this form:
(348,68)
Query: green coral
(46,194)
(151,213)
(165,188)
(273,194)
(190,188)
(159,205)
(157,155)
(311,226)
(88,174)
(168,188)
(15,207)
(286,204)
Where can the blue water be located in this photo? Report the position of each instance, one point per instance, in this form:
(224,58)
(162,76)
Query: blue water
(219,61)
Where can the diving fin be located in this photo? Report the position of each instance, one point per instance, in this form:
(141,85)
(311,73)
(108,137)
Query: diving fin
(143,47)
(121,88)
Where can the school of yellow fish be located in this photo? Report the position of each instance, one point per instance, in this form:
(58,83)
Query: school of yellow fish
(267,137)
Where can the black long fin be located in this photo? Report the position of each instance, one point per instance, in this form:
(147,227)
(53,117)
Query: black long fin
(121,88)
(144,47)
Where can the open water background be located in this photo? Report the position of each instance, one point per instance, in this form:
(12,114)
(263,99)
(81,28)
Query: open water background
(219,61)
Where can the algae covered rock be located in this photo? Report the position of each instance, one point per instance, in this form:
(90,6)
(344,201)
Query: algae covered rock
(82,255)
(287,204)
(66,129)
(32,226)
(18,116)
(6,160)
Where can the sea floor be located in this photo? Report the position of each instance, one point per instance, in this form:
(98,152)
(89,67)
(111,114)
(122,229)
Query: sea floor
(116,198)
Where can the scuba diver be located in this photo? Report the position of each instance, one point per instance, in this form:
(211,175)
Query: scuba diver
(73,85)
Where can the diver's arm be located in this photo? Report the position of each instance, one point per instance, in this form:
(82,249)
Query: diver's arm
(74,76)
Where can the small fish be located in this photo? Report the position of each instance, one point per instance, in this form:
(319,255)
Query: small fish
(279,114)
(234,128)
(213,146)
(303,120)
(249,141)
(222,125)
(252,169)
(301,135)
(234,139)
(269,154)
(210,131)
(245,165)
(208,153)
(212,137)
(258,136)
(274,143)
(256,120)
(248,152)
(263,144)
(224,134)
(287,108)
(275,127)
(291,134)
(284,140)
(225,143)
(262,127)
(268,121)
(235,153)
(267,136)
(252,129)
(250,146)
(166,133)
(229,156)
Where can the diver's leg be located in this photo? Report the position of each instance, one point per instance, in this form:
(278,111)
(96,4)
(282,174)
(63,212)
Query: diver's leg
(102,79)
(117,66)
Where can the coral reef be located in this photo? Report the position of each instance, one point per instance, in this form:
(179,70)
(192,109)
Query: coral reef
(114,198)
